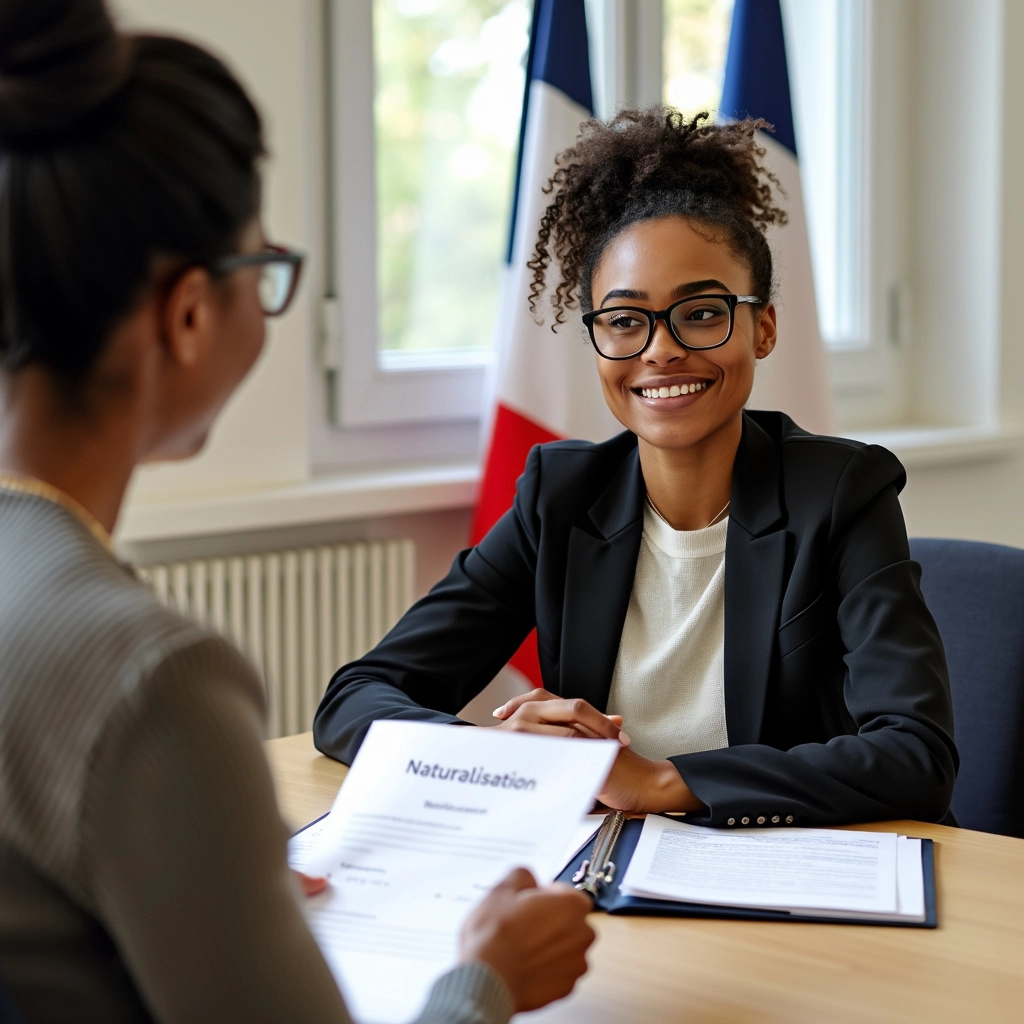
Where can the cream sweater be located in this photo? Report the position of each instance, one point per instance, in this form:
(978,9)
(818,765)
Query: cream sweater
(668,683)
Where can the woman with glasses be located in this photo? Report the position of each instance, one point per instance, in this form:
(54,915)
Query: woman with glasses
(143,872)
(729,596)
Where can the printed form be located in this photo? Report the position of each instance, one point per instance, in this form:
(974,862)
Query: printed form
(429,818)
(777,868)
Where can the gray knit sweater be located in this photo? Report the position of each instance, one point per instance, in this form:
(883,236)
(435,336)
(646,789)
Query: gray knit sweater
(142,856)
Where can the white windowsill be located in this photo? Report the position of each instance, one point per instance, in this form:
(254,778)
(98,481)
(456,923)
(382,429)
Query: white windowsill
(364,494)
(396,491)
(919,447)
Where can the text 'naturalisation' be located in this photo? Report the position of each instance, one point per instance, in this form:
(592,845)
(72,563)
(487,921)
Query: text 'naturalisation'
(470,776)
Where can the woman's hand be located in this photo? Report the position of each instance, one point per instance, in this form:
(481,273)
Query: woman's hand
(535,939)
(636,783)
(542,712)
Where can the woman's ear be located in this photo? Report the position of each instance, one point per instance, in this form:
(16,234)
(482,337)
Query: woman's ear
(187,317)
(767,332)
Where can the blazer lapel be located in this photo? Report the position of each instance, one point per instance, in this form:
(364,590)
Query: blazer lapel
(755,560)
(600,567)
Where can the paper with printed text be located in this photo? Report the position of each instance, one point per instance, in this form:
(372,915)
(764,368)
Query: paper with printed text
(429,818)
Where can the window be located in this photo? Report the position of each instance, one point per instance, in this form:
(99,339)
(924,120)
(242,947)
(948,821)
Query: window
(424,100)
(827,42)
(449,87)
(858,255)
(424,105)
(825,54)
(694,48)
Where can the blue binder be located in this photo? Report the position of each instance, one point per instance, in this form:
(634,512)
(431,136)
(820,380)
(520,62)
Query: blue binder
(609,898)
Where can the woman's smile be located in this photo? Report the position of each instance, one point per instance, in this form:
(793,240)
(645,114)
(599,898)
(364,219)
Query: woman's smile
(666,393)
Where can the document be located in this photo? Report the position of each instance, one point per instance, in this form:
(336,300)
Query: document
(772,868)
(429,818)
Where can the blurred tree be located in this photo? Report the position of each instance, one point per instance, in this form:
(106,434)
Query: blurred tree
(450,76)
(695,43)
(448,101)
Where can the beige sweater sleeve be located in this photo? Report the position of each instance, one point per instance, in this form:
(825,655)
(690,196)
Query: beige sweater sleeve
(185,853)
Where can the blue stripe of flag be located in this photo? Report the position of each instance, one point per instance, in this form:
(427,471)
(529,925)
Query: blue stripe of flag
(559,55)
(756,72)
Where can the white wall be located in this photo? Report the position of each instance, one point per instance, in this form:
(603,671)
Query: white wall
(969,231)
(273,45)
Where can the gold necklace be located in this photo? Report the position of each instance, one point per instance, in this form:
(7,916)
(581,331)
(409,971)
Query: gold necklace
(41,489)
(657,512)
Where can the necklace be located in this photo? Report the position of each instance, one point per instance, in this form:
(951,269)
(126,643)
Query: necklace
(41,489)
(657,512)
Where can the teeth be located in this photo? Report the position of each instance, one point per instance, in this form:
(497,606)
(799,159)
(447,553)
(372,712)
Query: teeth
(674,391)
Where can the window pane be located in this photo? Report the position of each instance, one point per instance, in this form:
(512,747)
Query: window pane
(449,88)
(696,40)
(825,50)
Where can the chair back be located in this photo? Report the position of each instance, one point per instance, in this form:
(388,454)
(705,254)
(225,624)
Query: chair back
(976,593)
(8,1011)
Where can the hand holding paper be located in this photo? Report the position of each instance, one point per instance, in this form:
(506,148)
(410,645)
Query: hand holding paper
(536,939)
(430,818)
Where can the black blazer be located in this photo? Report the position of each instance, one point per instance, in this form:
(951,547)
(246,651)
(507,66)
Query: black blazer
(836,692)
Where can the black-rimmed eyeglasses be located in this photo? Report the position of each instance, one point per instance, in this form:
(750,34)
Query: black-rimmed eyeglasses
(279,277)
(696,322)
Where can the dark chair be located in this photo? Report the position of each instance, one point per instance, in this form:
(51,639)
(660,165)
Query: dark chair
(8,1012)
(976,593)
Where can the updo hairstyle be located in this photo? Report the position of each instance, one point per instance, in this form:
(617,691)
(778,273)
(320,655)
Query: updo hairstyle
(114,149)
(645,164)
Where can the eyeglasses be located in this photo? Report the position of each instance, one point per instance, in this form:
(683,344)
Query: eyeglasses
(279,277)
(696,322)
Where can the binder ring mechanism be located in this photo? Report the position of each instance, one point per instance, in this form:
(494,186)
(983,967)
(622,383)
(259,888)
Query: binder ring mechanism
(599,870)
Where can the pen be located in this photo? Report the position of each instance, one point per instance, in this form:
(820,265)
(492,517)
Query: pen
(600,868)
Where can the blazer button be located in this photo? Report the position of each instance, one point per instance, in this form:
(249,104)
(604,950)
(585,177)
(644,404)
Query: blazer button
(761,820)
(789,819)
(731,821)
(744,821)
(775,819)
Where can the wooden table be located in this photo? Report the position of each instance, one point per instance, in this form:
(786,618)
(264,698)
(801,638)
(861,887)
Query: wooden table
(650,970)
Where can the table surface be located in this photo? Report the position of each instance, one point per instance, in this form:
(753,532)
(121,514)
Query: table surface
(971,968)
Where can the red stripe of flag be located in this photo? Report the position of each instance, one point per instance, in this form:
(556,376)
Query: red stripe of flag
(511,440)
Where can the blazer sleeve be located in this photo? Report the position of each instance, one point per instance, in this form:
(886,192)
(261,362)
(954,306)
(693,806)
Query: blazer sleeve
(450,644)
(901,761)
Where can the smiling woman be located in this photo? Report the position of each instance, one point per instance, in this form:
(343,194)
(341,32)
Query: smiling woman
(729,596)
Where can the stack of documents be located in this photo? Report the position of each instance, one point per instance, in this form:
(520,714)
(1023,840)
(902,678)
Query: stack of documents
(665,866)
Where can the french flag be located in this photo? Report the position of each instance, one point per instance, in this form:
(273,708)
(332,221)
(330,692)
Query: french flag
(545,385)
(794,378)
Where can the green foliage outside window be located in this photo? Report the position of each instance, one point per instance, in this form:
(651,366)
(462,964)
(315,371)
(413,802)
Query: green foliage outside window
(449,88)
(695,43)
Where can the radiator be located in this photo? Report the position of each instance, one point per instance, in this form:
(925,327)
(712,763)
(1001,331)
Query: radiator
(298,614)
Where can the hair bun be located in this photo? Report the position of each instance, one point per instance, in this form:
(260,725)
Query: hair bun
(60,61)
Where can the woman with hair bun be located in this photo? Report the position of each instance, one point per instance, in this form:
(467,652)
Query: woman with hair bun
(143,872)
(728,595)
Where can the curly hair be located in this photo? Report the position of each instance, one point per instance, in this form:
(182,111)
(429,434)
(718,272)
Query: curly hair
(645,164)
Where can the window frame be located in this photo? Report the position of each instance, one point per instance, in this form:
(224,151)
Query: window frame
(868,377)
(368,388)
(868,374)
